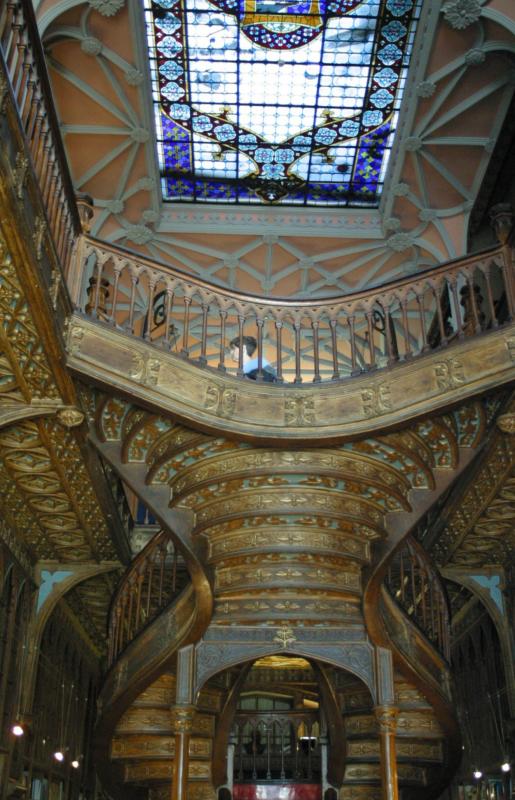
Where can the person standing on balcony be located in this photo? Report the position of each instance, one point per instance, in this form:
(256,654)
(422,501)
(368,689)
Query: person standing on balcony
(250,360)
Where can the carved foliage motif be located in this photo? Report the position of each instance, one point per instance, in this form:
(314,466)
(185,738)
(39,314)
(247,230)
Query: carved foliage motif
(24,347)
(220,401)
(299,411)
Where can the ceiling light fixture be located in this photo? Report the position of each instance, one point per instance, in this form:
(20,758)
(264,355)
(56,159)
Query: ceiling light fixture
(506,766)
(59,755)
(478,774)
(17,729)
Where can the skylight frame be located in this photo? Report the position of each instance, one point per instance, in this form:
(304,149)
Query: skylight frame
(184,153)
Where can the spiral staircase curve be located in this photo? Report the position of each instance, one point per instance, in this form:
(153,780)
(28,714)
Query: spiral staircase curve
(308,537)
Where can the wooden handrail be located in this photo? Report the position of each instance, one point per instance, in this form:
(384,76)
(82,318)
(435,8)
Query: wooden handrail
(148,586)
(22,61)
(417,588)
(323,340)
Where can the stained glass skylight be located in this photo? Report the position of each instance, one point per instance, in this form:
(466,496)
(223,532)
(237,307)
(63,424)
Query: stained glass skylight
(277,101)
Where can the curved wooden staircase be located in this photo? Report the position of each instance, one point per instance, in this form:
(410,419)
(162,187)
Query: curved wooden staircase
(288,540)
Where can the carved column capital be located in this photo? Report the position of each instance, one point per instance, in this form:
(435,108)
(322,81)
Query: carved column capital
(182,718)
(386,717)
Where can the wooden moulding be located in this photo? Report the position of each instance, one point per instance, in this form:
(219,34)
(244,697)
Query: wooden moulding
(275,413)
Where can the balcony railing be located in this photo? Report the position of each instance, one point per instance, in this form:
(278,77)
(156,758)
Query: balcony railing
(326,340)
(154,579)
(22,65)
(416,587)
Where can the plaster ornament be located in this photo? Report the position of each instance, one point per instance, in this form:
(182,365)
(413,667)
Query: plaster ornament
(139,234)
(399,241)
(392,224)
(70,417)
(134,76)
(427,214)
(91,46)
(139,135)
(150,216)
(461,13)
(413,144)
(108,8)
(401,189)
(475,57)
(115,206)
(426,89)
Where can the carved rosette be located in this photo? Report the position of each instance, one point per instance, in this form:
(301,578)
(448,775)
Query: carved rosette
(182,718)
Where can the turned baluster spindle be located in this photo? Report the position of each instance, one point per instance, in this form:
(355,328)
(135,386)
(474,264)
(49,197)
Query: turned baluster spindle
(100,270)
(438,293)
(162,565)
(132,302)
(112,317)
(150,309)
(473,303)
(140,582)
(422,318)
(279,350)
(32,120)
(260,323)
(6,22)
(392,357)
(457,311)
(355,370)
(316,352)
(174,570)
(241,320)
(334,349)
(491,305)
(168,315)
(298,376)
(370,337)
(130,627)
(408,353)
(221,362)
(186,327)
(149,582)
(203,341)
(402,578)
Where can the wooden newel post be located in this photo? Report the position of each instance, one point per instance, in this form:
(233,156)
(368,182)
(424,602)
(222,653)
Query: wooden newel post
(502,219)
(386,717)
(182,726)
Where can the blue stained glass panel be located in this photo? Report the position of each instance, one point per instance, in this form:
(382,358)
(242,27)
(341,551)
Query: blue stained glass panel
(277,101)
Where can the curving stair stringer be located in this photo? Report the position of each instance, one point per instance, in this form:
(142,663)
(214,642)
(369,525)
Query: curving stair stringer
(138,667)
(414,658)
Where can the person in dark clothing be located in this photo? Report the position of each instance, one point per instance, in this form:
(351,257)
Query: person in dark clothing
(250,359)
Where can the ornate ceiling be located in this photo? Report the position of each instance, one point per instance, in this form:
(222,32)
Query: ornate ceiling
(458,91)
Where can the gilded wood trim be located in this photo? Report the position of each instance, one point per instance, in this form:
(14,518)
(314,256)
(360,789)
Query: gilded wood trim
(262,412)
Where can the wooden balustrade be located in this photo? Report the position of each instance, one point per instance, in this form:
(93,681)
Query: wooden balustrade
(304,341)
(277,746)
(152,582)
(416,586)
(23,64)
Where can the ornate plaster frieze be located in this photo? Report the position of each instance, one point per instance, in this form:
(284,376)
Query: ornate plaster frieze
(336,411)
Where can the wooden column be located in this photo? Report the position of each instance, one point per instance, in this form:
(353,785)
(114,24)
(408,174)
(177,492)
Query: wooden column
(386,717)
(182,726)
